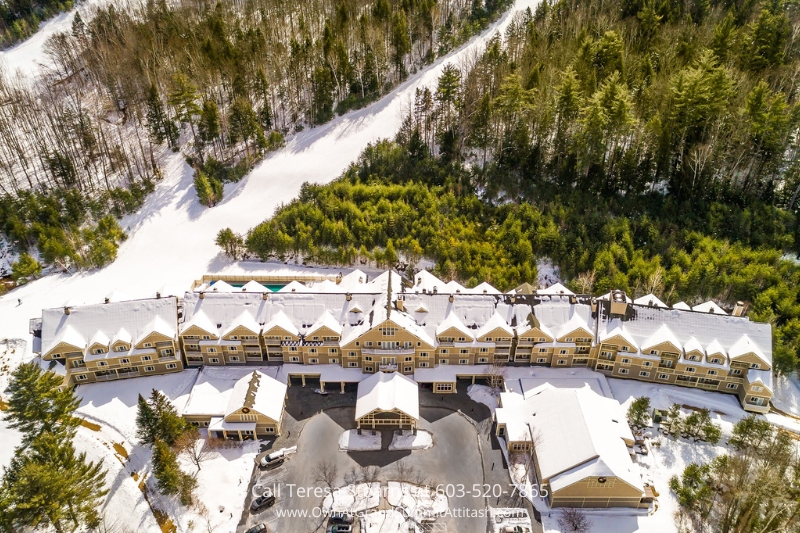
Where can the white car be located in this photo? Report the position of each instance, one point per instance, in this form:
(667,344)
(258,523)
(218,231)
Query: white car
(272,460)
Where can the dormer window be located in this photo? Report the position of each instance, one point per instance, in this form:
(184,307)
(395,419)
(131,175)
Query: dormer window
(568,339)
(234,337)
(206,337)
(121,348)
(98,351)
(623,348)
(755,366)
(461,339)
(488,339)
(147,345)
(715,361)
(653,352)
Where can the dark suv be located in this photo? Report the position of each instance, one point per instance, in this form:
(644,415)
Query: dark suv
(265,500)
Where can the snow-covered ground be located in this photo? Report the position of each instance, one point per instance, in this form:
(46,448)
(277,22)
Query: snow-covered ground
(420,503)
(389,521)
(408,441)
(547,273)
(484,394)
(353,498)
(351,441)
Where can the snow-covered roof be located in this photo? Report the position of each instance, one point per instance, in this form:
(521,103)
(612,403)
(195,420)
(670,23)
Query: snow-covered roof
(99,338)
(259,392)
(117,296)
(282,321)
(709,307)
(496,322)
(576,321)
(651,300)
(326,321)
(682,306)
(616,327)
(576,433)
(201,320)
(452,321)
(157,325)
(716,333)
(556,289)
(294,286)
(609,297)
(107,323)
(221,286)
(693,345)
(386,392)
(253,286)
(245,320)
(483,288)
(662,335)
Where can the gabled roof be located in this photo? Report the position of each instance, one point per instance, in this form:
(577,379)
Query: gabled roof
(117,296)
(157,325)
(661,335)
(326,320)
(650,300)
(576,434)
(121,335)
(744,346)
(201,320)
(495,322)
(99,338)
(452,321)
(575,321)
(282,321)
(253,286)
(70,336)
(483,288)
(709,307)
(714,347)
(525,288)
(246,321)
(354,307)
(693,345)
(220,286)
(617,327)
(682,305)
(259,392)
(388,392)
(294,286)
(556,289)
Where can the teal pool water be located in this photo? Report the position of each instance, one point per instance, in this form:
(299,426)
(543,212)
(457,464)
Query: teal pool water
(272,287)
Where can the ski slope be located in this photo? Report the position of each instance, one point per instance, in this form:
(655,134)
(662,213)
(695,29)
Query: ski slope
(171,239)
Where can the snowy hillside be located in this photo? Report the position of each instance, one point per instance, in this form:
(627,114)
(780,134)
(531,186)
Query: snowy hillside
(171,240)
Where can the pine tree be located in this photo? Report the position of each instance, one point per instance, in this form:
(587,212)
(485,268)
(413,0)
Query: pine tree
(158,420)
(231,243)
(208,125)
(169,477)
(146,421)
(639,412)
(183,98)
(243,123)
(36,404)
(25,267)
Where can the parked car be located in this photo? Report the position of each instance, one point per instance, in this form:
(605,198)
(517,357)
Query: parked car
(272,460)
(340,528)
(265,500)
(514,529)
(258,528)
(340,518)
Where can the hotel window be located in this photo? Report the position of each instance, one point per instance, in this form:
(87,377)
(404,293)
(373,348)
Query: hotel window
(233,358)
(101,363)
(293,348)
(212,350)
(352,364)
(80,377)
(409,359)
(483,359)
(149,368)
(542,350)
(466,362)
(541,360)
(423,364)
(313,361)
(367,358)
(568,339)
(736,372)
(625,361)
(206,337)
(120,348)
(368,344)
(489,339)
(444,387)
(653,352)
(287,338)
(562,362)
(367,369)
(755,365)
(462,339)
(124,360)
(408,369)
(663,376)
(623,370)
(444,352)
(172,366)
(234,337)
(647,363)
(147,345)
(98,351)
(169,351)
(690,369)
(715,361)
(423,354)
(333,361)
(484,350)
(147,358)
(712,372)
(563,352)
(388,332)
(644,374)
(312,350)
(756,389)
(623,348)
(692,358)
(733,386)
(541,339)
(333,350)
(352,354)
(213,360)
(294,359)
(230,349)
(464,352)
(443,361)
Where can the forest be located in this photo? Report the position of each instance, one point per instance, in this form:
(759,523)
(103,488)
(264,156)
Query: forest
(222,82)
(20,19)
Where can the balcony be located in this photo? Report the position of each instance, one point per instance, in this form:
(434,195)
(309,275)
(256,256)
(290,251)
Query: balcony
(390,353)
(388,367)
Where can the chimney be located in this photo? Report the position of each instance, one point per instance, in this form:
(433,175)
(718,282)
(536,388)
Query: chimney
(107,299)
(435,290)
(158,295)
(338,278)
(739,309)
(348,296)
(400,305)
(202,295)
(619,303)
(451,298)
(67,310)
(265,296)
(419,280)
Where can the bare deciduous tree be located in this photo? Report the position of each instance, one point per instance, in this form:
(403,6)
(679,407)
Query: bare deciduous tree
(574,520)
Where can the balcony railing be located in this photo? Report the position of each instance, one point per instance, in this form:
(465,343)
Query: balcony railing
(388,367)
(389,352)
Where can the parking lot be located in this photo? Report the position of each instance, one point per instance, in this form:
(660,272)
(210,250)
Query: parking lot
(455,459)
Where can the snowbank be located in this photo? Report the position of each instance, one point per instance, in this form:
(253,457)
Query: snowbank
(483,394)
(351,441)
(408,441)
(420,503)
(353,498)
(386,522)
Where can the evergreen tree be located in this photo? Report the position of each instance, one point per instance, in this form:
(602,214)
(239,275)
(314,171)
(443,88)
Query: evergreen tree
(183,97)
(169,477)
(208,125)
(160,126)
(25,267)
(243,123)
(231,243)
(639,412)
(158,420)
(401,41)
(36,405)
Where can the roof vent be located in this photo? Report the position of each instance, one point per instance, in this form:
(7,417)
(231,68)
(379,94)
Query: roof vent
(158,295)
(451,298)
(67,310)
(361,279)
(485,291)
(435,290)
(219,325)
(349,296)
(739,309)
(202,295)
(108,299)
(265,296)
(419,280)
